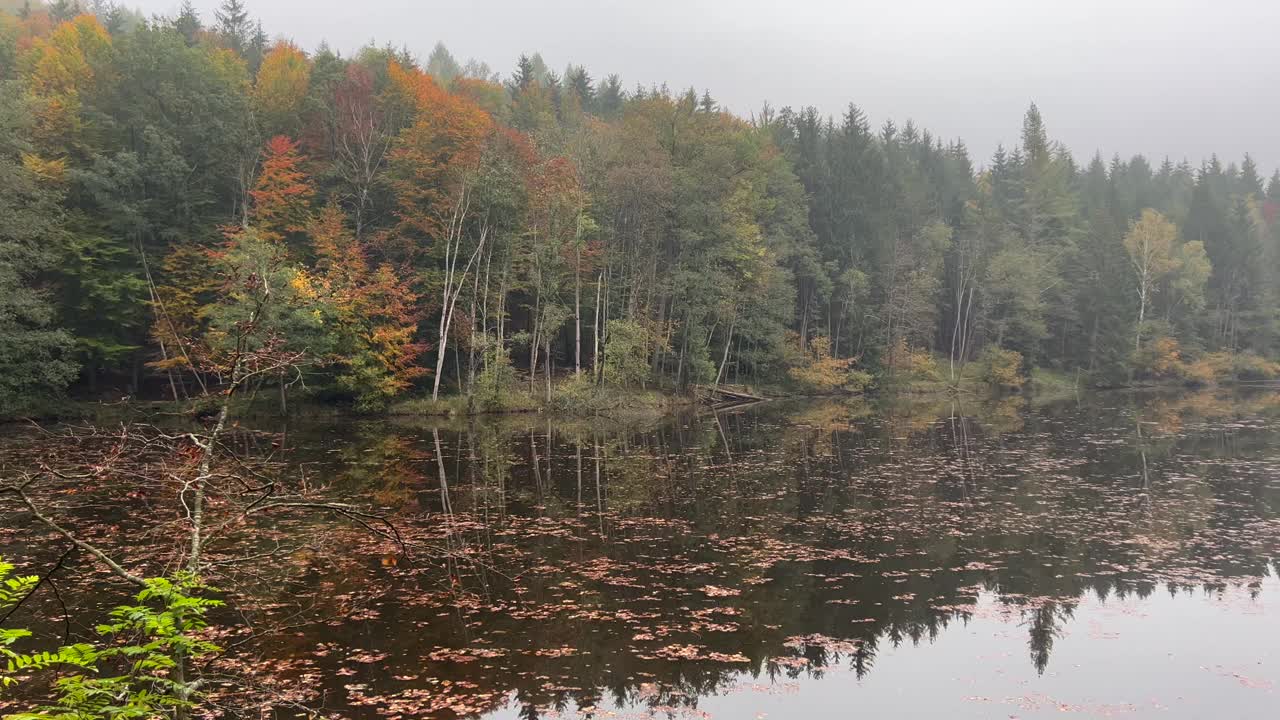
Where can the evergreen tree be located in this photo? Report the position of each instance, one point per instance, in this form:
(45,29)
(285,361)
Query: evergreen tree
(578,83)
(442,66)
(610,97)
(187,23)
(525,74)
(233,26)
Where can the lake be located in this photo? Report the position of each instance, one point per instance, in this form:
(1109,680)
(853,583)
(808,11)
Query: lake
(1112,555)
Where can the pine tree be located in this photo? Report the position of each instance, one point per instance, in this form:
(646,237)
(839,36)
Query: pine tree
(187,23)
(233,25)
(610,97)
(256,51)
(1035,139)
(525,74)
(442,66)
(64,10)
(1250,180)
(706,104)
(578,82)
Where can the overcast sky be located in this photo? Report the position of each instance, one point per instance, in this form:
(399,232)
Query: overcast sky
(1182,78)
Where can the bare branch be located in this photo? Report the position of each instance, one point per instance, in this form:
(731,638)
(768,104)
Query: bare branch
(20,491)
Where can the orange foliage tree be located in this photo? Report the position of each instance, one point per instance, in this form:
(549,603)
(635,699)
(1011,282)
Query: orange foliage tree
(437,156)
(436,164)
(282,194)
(375,314)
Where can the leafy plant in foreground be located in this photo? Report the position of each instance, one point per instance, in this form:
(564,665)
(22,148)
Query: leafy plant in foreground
(151,646)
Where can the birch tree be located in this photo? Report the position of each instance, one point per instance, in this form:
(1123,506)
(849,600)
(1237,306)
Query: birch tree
(1150,243)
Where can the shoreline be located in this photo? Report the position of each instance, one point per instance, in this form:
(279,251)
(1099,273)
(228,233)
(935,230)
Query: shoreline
(614,405)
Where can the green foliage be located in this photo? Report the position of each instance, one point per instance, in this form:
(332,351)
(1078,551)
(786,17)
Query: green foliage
(151,645)
(578,392)
(496,383)
(627,352)
(267,300)
(35,355)
(1015,278)
(103,297)
(1048,383)
(13,590)
(552,207)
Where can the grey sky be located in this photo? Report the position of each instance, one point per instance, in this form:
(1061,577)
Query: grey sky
(1183,78)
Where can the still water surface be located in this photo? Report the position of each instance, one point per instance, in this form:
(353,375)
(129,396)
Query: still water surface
(1110,556)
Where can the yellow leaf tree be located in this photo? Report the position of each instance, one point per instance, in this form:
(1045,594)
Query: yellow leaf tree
(281,87)
(1150,244)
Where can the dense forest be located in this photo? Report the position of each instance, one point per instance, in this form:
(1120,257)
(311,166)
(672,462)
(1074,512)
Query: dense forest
(434,227)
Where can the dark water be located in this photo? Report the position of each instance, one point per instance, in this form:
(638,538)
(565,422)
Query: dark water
(1111,556)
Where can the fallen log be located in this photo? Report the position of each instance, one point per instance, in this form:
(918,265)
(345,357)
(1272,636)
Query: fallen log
(721,394)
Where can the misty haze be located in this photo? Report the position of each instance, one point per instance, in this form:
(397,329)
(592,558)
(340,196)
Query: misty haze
(571,359)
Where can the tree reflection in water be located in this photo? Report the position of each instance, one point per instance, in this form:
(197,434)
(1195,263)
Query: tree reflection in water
(557,564)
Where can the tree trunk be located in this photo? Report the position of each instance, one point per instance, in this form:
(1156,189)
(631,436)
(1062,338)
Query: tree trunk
(547,362)
(1093,341)
(440,350)
(284,395)
(724,358)
(533,343)
(1142,313)
(577,309)
(684,346)
(595,333)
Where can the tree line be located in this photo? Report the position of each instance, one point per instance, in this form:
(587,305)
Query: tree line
(431,226)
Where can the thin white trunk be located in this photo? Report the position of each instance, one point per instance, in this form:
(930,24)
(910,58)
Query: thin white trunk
(577,310)
(724,358)
(595,331)
(454,280)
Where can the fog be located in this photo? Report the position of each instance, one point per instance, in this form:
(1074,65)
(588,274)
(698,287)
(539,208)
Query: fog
(1176,78)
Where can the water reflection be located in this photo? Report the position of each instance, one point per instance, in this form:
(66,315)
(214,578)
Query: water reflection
(569,565)
(581,565)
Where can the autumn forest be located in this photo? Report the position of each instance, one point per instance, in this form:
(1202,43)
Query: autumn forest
(406,227)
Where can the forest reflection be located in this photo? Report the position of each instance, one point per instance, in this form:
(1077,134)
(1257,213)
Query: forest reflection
(588,563)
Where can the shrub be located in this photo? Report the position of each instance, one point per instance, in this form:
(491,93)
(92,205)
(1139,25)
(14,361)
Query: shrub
(1251,367)
(1002,368)
(818,371)
(911,365)
(1159,359)
(1199,373)
(1226,367)
(496,381)
(578,392)
(627,350)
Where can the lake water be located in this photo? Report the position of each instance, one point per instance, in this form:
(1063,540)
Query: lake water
(1106,556)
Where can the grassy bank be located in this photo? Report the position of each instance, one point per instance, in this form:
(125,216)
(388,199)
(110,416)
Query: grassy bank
(569,396)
